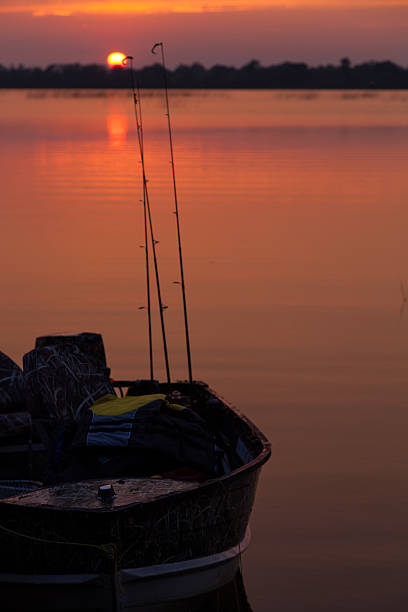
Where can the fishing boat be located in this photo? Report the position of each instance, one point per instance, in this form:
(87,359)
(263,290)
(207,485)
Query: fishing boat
(105,541)
(119,494)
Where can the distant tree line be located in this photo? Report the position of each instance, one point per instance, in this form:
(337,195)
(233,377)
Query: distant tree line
(289,75)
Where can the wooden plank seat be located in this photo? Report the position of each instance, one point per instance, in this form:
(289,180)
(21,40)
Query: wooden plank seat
(83,495)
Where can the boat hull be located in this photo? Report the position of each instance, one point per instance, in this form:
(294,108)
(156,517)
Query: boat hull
(198,523)
(128,589)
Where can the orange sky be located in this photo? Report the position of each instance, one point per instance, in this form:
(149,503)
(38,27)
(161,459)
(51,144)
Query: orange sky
(42,32)
(67,7)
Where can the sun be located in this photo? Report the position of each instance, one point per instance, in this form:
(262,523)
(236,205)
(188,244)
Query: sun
(116,58)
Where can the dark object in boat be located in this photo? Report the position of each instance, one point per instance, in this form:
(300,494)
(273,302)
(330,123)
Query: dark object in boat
(151,424)
(89,343)
(15,425)
(9,488)
(106,493)
(142,387)
(60,381)
(11,386)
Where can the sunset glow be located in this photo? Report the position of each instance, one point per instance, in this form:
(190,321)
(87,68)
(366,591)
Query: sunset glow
(70,7)
(116,58)
(229,32)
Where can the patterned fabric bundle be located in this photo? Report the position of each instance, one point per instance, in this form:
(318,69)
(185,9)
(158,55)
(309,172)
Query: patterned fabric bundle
(148,423)
(89,343)
(61,382)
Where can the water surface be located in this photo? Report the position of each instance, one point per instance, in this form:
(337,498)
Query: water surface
(294,220)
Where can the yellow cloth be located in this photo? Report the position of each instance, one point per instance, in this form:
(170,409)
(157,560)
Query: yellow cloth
(111,405)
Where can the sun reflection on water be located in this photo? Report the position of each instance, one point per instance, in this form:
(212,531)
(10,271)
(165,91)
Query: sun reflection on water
(117,126)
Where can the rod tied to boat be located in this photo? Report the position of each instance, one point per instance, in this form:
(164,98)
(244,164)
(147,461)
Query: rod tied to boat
(176,208)
(148,223)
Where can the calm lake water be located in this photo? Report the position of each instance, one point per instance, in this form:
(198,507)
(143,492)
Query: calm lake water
(295,225)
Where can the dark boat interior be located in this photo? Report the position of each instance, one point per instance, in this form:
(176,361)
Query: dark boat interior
(64,419)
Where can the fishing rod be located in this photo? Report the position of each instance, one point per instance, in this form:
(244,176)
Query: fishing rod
(149,310)
(176,209)
(148,222)
(146,249)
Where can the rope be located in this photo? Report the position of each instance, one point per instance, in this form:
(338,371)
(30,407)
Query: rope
(108,549)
